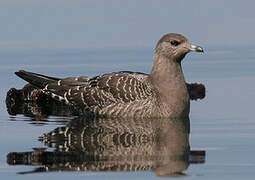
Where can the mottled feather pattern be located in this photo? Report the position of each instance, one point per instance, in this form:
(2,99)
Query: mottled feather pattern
(123,86)
(161,94)
(101,94)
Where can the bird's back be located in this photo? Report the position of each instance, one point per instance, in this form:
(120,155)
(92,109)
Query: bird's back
(125,94)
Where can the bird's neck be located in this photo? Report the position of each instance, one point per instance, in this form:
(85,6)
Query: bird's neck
(168,80)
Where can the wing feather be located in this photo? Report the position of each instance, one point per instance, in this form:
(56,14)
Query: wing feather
(100,91)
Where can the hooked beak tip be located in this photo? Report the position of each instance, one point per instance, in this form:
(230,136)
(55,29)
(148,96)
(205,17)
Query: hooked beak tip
(196,48)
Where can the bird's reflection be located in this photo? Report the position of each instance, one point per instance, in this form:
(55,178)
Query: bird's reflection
(103,144)
(158,145)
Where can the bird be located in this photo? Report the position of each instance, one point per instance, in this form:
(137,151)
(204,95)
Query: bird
(162,93)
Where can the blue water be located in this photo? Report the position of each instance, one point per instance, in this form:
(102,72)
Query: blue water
(222,124)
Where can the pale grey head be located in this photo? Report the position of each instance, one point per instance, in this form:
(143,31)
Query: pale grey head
(175,46)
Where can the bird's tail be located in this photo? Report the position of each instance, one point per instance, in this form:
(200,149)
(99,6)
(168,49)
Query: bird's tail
(37,80)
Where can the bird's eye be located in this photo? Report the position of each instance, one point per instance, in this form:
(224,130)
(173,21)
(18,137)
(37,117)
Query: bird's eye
(174,43)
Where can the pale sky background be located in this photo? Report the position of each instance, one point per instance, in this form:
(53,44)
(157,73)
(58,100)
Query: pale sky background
(115,23)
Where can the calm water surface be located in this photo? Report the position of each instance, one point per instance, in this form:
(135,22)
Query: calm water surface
(222,124)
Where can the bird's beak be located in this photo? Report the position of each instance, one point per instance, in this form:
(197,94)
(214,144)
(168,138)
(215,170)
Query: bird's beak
(196,48)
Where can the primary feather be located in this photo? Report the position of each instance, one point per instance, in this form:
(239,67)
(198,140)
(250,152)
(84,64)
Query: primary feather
(93,94)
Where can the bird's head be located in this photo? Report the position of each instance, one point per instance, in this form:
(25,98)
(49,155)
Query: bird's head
(175,47)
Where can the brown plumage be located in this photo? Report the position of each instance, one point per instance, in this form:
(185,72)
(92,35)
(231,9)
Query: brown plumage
(162,93)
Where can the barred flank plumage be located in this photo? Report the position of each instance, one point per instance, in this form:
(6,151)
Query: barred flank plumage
(101,94)
(162,93)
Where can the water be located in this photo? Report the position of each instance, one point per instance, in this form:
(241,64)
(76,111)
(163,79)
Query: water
(222,124)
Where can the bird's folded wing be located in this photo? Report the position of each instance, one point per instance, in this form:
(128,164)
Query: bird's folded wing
(102,90)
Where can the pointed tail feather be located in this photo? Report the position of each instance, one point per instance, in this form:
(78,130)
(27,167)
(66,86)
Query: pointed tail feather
(37,80)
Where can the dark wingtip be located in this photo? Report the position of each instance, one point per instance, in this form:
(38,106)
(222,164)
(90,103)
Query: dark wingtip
(20,72)
(17,72)
(24,75)
(35,79)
